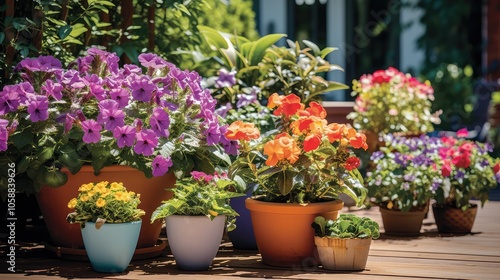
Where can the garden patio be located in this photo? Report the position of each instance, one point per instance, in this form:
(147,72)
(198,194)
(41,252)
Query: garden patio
(429,256)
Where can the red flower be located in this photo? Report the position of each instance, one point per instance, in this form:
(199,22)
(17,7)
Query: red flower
(446,169)
(352,163)
(496,168)
(462,161)
(311,142)
(462,132)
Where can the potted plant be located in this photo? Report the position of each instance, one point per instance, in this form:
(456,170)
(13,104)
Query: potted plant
(195,217)
(468,172)
(300,167)
(152,120)
(404,178)
(344,243)
(390,101)
(110,223)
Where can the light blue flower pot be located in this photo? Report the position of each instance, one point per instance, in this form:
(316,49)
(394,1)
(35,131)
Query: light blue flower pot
(110,248)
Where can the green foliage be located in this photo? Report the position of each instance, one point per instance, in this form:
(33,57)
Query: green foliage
(454,94)
(346,226)
(272,69)
(200,194)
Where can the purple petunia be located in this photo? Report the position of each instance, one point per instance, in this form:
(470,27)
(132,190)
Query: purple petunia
(110,115)
(152,60)
(146,142)
(161,165)
(38,108)
(226,79)
(9,100)
(120,95)
(92,131)
(142,88)
(124,135)
(4,135)
(248,98)
(50,88)
(160,122)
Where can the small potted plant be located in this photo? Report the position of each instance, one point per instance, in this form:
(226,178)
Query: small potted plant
(390,101)
(468,172)
(195,217)
(300,168)
(344,243)
(404,178)
(110,223)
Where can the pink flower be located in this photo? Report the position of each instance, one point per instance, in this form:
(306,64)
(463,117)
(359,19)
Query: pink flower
(38,108)
(92,131)
(124,135)
(462,132)
(161,165)
(146,142)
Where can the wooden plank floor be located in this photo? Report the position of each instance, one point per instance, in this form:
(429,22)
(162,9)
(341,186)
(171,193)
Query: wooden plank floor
(430,256)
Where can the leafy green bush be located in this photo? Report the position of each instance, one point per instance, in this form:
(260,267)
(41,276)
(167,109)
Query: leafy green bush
(346,226)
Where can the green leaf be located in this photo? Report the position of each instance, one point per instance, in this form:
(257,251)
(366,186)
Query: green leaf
(23,164)
(52,178)
(327,51)
(45,154)
(312,46)
(64,31)
(261,45)
(214,39)
(77,30)
(2,37)
(23,138)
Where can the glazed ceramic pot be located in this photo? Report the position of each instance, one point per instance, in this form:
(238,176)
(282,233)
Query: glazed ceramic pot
(194,240)
(111,247)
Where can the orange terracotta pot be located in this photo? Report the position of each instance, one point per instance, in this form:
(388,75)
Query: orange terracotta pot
(283,230)
(53,202)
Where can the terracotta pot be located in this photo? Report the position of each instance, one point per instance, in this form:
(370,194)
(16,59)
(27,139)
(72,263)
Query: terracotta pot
(283,230)
(401,223)
(343,254)
(450,219)
(53,202)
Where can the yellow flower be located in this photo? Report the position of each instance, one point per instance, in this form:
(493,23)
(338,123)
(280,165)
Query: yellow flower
(86,187)
(123,196)
(72,203)
(102,184)
(100,202)
(84,198)
(213,213)
(117,186)
(105,192)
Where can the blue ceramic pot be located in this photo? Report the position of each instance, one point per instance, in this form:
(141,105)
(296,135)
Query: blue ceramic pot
(242,237)
(110,248)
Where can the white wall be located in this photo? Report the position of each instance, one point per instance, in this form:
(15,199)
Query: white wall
(410,56)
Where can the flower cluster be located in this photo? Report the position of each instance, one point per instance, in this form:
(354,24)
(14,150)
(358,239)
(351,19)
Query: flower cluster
(200,194)
(304,159)
(467,169)
(153,118)
(104,202)
(405,175)
(410,171)
(389,101)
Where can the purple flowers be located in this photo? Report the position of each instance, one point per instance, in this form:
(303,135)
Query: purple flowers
(226,79)
(92,131)
(152,116)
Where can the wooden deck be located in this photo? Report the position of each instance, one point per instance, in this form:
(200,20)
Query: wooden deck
(430,256)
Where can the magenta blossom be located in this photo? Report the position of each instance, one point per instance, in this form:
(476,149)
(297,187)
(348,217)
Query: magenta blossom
(142,89)
(38,108)
(199,176)
(160,122)
(124,135)
(161,165)
(52,89)
(9,100)
(92,131)
(120,95)
(4,135)
(146,142)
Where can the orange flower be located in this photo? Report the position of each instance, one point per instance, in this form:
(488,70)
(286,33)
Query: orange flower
(308,125)
(359,141)
(312,142)
(274,101)
(239,130)
(317,110)
(282,147)
(335,131)
(288,105)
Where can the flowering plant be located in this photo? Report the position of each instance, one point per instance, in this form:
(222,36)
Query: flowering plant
(389,101)
(410,171)
(155,118)
(200,194)
(104,202)
(405,175)
(467,169)
(304,159)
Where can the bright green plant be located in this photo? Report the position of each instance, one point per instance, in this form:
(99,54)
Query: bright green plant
(346,226)
(200,194)
(104,202)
